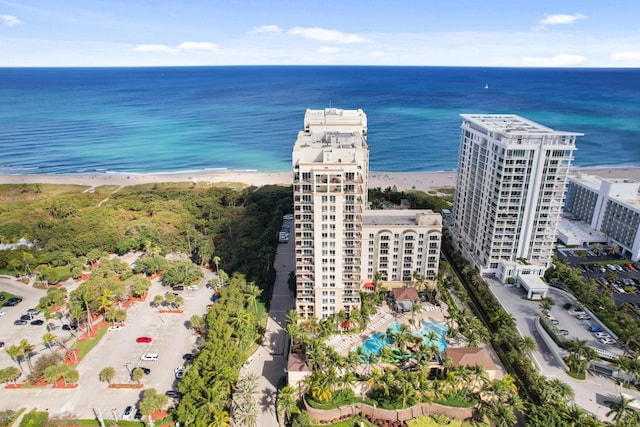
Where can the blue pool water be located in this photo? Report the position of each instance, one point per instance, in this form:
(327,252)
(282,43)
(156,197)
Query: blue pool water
(375,343)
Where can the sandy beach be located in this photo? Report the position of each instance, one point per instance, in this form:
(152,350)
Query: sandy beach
(424,181)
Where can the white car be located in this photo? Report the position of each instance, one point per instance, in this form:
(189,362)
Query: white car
(149,357)
(288,217)
(608,341)
(179,372)
(249,362)
(114,328)
(601,335)
(193,287)
(2,313)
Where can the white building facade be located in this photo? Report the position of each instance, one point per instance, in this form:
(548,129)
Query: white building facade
(339,243)
(510,190)
(610,206)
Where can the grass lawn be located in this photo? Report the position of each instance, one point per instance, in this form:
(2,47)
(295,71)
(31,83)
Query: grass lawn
(85,346)
(8,295)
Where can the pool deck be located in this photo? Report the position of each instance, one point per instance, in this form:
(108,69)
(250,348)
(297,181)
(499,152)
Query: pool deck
(379,322)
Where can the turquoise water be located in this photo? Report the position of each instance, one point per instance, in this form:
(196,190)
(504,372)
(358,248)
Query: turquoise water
(375,343)
(179,119)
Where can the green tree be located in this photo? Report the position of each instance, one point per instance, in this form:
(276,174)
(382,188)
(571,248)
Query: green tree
(621,410)
(286,404)
(26,349)
(48,339)
(137,374)
(107,374)
(152,401)
(15,353)
(10,373)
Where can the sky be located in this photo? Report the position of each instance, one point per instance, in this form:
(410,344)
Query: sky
(500,33)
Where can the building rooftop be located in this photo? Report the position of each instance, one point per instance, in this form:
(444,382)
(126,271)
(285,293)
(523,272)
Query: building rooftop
(401,217)
(470,356)
(511,124)
(405,294)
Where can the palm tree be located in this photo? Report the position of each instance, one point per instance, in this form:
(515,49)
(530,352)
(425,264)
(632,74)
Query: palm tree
(15,353)
(48,339)
(26,349)
(246,388)
(137,374)
(527,344)
(107,374)
(216,261)
(292,317)
(621,410)
(286,403)
(251,293)
(580,355)
(245,415)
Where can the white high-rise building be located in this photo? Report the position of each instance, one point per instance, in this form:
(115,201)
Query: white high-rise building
(510,190)
(340,244)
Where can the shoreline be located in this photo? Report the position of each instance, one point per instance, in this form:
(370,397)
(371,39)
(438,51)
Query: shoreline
(425,181)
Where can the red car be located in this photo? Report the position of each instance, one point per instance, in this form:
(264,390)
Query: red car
(143,339)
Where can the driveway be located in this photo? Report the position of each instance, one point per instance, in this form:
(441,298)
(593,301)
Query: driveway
(271,356)
(590,394)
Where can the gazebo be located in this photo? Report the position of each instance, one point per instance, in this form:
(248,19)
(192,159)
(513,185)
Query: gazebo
(404,298)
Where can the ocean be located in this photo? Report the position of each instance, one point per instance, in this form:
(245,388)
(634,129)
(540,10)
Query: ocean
(197,119)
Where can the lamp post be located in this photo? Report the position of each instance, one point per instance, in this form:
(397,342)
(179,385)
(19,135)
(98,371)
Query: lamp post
(128,366)
(115,415)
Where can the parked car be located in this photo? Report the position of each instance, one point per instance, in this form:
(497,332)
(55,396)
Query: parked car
(583,317)
(567,306)
(33,311)
(564,332)
(2,313)
(249,362)
(114,328)
(595,328)
(37,322)
(193,287)
(601,335)
(179,371)
(143,339)
(127,412)
(174,394)
(187,356)
(25,317)
(608,341)
(12,302)
(66,327)
(20,322)
(555,321)
(146,371)
(178,288)
(149,357)
(287,217)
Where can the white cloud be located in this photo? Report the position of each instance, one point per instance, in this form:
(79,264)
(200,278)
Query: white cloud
(10,20)
(212,47)
(324,35)
(626,56)
(154,48)
(561,19)
(560,60)
(376,54)
(327,49)
(265,29)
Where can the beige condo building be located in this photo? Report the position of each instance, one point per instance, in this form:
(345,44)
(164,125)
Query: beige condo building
(340,245)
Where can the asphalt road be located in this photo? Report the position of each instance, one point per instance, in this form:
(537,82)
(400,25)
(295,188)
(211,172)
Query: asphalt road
(271,356)
(596,389)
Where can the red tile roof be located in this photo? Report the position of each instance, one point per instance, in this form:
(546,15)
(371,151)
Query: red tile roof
(404,294)
(470,356)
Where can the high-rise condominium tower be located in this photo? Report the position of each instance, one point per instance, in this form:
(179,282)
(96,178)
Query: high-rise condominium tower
(510,190)
(330,167)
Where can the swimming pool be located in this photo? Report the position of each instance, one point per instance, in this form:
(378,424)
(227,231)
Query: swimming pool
(375,343)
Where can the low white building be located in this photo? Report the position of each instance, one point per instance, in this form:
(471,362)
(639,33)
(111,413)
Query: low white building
(608,206)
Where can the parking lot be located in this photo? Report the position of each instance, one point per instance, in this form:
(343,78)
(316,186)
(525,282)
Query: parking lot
(171,339)
(611,271)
